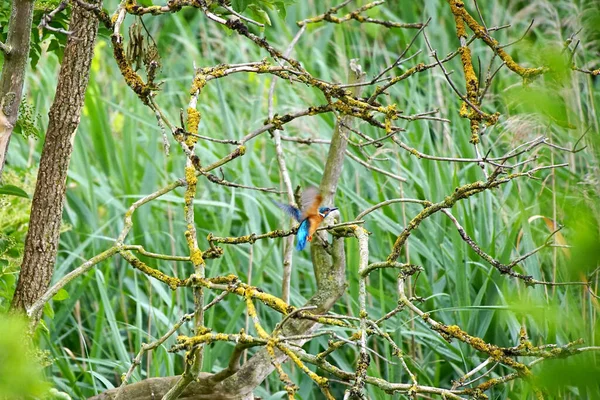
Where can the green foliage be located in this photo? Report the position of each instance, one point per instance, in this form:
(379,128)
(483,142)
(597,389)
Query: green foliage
(27,122)
(20,372)
(12,190)
(40,40)
(580,372)
(61,295)
(257,9)
(45,5)
(14,216)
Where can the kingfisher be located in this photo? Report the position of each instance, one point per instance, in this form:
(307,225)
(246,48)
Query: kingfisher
(310,215)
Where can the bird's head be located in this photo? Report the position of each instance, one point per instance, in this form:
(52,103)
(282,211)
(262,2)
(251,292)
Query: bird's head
(324,211)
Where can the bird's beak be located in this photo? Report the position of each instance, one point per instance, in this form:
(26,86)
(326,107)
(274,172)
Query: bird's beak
(333,209)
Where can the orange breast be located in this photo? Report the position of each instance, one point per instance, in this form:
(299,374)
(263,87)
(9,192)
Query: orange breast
(314,222)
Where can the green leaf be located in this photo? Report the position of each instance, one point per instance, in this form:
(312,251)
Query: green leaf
(26,122)
(12,190)
(42,326)
(240,5)
(258,14)
(61,295)
(281,9)
(5,243)
(48,310)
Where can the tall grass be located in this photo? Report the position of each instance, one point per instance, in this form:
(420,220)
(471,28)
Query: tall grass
(118,158)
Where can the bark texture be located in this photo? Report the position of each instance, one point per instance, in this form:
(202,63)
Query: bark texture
(41,244)
(156,388)
(13,71)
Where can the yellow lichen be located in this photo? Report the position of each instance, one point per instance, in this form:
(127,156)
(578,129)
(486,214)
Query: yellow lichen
(190,176)
(488,384)
(196,256)
(231,278)
(193,121)
(460,24)
(470,77)
(388,125)
(264,67)
(460,13)
(219,72)
(172,282)
(274,302)
(133,80)
(454,330)
(222,337)
(197,84)
(464,110)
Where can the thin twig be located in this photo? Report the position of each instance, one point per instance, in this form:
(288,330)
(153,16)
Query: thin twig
(47,19)
(521,38)
(231,10)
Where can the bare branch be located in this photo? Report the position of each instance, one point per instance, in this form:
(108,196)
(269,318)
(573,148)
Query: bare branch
(388,202)
(4,48)
(231,10)
(371,167)
(521,38)
(397,62)
(47,19)
(355,15)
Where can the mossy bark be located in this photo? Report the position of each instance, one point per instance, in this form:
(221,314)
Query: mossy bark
(41,244)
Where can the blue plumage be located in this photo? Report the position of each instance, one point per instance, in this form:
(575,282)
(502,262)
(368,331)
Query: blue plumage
(309,215)
(302,235)
(304,225)
(290,210)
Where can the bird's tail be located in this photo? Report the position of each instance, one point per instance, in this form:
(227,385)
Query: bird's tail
(302,235)
(301,243)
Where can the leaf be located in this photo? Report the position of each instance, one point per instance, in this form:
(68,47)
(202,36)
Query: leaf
(12,190)
(258,14)
(280,5)
(42,325)
(49,311)
(5,243)
(240,5)
(61,295)
(34,52)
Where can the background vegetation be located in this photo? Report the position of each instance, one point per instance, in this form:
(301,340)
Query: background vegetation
(96,328)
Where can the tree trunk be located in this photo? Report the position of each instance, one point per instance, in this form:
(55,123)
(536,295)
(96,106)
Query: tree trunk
(41,244)
(13,71)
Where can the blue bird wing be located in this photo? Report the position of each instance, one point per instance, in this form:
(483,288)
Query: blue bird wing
(302,234)
(290,210)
